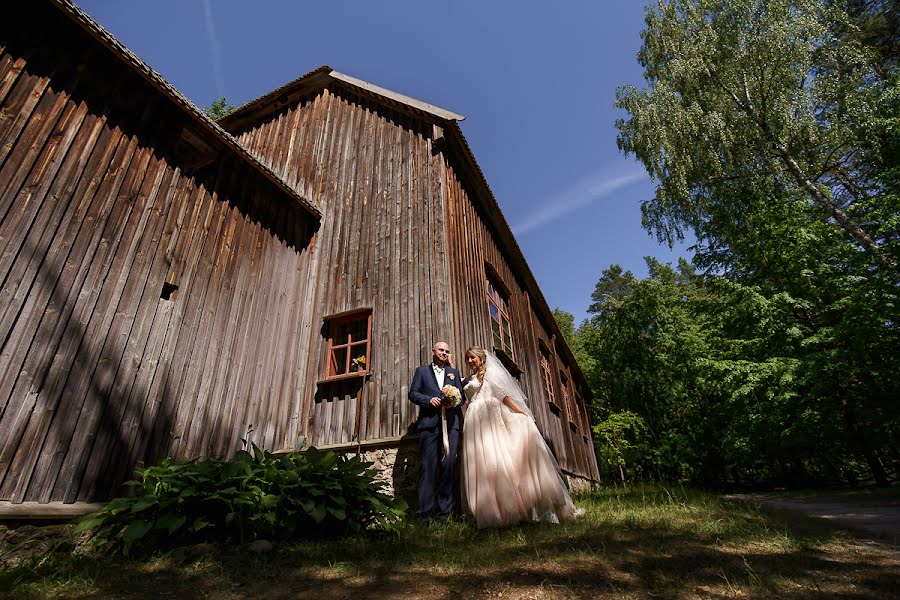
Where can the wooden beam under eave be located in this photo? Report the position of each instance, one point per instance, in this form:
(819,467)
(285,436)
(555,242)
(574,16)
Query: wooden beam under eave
(194,151)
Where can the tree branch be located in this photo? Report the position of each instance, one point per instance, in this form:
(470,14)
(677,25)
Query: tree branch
(847,223)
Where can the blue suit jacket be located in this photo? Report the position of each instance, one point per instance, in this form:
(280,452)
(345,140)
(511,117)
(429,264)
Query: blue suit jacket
(424,387)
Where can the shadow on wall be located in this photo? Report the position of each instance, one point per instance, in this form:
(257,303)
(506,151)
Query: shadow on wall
(93,346)
(84,404)
(405,471)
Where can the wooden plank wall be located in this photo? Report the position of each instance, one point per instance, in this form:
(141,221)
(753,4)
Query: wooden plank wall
(400,235)
(101,365)
(372,172)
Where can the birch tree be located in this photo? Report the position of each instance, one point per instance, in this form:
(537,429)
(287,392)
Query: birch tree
(750,94)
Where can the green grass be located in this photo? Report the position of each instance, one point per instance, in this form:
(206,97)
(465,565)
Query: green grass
(646,542)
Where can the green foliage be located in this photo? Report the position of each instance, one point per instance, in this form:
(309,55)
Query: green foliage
(566,322)
(772,129)
(574,337)
(622,445)
(219,108)
(756,100)
(650,353)
(715,381)
(254,495)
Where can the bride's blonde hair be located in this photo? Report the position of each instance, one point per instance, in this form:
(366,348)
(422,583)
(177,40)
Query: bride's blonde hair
(480,353)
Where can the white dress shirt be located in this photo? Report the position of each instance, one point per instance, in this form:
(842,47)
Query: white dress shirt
(438,374)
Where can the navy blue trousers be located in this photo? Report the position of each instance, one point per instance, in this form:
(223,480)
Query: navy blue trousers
(430,451)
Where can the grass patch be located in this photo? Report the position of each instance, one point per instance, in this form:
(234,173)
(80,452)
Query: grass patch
(644,542)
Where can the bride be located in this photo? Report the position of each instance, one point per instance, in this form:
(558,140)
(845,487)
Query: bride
(508,473)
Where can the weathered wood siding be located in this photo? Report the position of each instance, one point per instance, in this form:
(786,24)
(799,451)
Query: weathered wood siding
(374,176)
(143,309)
(400,235)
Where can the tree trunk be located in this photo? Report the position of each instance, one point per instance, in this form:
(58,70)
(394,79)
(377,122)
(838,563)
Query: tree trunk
(833,209)
(844,220)
(861,442)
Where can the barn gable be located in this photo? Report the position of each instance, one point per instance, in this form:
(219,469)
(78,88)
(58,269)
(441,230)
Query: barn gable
(445,134)
(381,163)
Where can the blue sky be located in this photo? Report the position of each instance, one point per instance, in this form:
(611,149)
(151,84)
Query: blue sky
(535,80)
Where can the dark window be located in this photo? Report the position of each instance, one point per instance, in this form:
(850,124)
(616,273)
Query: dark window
(498,303)
(547,374)
(582,415)
(349,343)
(568,400)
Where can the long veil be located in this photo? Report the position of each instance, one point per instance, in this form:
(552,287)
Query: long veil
(501,379)
(505,383)
(509,472)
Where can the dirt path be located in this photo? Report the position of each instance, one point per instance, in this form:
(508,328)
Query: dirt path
(876,516)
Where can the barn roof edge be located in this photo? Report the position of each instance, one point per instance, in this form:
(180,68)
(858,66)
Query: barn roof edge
(508,240)
(98,32)
(260,107)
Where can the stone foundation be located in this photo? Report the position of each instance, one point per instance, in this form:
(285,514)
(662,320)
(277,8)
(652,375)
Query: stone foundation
(397,470)
(578,485)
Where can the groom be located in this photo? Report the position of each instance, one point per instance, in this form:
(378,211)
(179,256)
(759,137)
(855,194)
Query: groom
(425,391)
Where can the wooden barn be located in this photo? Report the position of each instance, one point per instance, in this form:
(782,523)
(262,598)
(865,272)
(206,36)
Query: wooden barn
(171,285)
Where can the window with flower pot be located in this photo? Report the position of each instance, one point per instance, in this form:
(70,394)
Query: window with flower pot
(498,304)
(349,344)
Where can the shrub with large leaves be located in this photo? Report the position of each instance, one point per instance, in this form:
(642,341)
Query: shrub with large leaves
(254,495)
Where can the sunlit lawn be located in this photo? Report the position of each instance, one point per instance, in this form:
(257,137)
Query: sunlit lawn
(644,543)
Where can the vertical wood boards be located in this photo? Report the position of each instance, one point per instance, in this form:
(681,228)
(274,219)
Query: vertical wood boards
(367,168)
(472,246)
(99,361)
(402,236)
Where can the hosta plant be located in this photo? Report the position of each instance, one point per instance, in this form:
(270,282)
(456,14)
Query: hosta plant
(254,495)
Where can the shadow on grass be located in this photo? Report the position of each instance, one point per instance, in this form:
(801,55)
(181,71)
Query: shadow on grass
(628,545)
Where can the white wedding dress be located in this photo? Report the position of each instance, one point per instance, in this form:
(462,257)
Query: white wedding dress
(509,475)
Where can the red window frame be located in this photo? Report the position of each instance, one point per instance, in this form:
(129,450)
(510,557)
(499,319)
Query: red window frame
(349,338)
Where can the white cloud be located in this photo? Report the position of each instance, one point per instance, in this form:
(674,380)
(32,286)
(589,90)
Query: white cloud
(214,48)
(583,193)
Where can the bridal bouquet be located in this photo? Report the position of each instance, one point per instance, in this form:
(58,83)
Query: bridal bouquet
(452,398)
